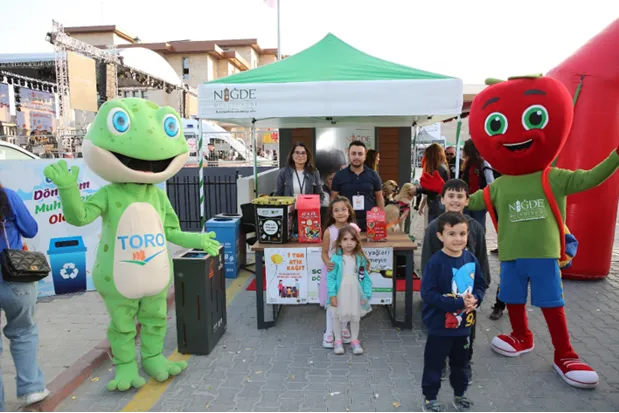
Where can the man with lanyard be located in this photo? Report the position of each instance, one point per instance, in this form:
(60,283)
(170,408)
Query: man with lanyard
(360,184)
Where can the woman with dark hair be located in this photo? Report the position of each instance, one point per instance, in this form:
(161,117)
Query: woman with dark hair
(477,173)
(434,159)
(18,301)
(372,158)
(299,176)
(329,162)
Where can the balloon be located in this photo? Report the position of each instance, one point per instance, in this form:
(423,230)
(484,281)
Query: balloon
(277,259)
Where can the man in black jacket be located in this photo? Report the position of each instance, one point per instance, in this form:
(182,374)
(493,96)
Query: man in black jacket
(455,197)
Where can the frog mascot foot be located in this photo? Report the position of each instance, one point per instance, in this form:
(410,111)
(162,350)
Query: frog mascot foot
(160,368)
(134,144)
(126,377)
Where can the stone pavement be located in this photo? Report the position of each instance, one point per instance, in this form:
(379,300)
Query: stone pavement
(69,326)
(286,369)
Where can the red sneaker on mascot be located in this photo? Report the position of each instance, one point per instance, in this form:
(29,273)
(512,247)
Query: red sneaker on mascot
(519,126)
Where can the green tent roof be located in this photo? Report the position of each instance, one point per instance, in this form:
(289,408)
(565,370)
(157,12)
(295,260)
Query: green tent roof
(330,59)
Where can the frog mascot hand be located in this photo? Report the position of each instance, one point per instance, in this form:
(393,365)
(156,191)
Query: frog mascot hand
(519,126)
(134,144)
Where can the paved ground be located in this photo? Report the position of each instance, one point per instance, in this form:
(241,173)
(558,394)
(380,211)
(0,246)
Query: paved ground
(69,326)
(286,369)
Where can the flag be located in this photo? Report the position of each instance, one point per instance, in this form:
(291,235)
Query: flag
(271,3)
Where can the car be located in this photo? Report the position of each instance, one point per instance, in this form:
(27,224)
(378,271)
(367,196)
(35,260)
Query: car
(10,152)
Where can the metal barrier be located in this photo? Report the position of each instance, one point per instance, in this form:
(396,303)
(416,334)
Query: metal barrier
(184,194)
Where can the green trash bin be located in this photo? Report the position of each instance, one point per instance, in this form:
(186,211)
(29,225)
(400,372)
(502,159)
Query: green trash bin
(200,293)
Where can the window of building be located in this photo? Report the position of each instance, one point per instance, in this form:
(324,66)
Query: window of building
(185,68)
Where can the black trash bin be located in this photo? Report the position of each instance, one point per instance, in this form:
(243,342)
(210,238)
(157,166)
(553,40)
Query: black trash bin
(200,293)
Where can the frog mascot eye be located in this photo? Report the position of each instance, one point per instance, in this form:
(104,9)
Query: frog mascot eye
(171,126)
(118,121)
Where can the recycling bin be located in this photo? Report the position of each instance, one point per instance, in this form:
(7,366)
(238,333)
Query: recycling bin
(242,253)
(200,294)
(67,258)
(274,219)
(228,233)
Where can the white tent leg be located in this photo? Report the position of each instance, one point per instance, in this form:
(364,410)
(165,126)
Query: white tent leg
(253,144)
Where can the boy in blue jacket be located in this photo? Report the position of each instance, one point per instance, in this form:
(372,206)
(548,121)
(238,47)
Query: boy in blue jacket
(452,287)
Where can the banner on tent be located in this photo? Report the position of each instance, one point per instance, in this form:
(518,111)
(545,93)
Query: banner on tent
(70,250)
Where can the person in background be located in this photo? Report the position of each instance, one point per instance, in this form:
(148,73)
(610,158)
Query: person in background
(477,173)
(372,159)
(299,176)
(434,160)
(359,183)
(450,154)
(328,163)
(18,301)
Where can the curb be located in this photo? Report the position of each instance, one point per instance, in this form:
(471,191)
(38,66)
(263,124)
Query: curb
(69,380)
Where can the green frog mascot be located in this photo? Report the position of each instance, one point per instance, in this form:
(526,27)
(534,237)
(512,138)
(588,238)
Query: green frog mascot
(133,144)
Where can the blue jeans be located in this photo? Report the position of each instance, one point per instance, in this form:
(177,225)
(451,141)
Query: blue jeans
(18,302)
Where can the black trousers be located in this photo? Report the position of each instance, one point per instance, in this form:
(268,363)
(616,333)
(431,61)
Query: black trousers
(472,336)
(438,349)
(499,304)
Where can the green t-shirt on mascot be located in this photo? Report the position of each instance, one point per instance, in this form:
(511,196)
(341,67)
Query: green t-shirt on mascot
(519,126)
(134,144)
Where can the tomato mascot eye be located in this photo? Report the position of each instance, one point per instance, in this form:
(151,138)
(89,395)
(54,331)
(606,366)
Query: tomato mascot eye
(535,117)
(496,124)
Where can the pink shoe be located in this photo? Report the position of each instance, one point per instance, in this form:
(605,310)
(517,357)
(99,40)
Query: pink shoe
(346,337)
(338,347)
(356,347)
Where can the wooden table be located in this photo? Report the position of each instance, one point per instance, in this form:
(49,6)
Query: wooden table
(402,247)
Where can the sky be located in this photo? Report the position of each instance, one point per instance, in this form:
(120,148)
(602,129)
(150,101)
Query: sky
(472,40)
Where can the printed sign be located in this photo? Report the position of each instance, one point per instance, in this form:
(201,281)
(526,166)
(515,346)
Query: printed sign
(381,264)
(314,273)
(286,275)
(71,251)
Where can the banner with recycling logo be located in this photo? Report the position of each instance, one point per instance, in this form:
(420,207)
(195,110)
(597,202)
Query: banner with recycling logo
(70,250)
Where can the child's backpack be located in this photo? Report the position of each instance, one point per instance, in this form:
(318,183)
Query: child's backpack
(569,243)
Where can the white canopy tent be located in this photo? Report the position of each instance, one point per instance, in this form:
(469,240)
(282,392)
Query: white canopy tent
(330,84)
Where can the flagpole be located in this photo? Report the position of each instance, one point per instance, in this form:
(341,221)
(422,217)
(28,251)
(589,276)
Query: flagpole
(279,53)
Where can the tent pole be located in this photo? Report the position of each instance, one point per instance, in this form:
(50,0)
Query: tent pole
(279,49)
(414,154)
(458,147)
(201,173)
(253,144)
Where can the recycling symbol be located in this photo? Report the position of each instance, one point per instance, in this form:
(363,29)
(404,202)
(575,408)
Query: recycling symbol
(68,270)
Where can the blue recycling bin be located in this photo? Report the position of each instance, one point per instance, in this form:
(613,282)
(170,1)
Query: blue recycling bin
(67,258)
(228,233)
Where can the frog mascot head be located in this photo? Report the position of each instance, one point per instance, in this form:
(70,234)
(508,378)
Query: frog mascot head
(133,144)
(134,140)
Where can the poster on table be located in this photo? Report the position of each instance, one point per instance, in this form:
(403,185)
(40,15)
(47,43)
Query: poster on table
(332,148)
(286,275)
(70,250)
(314,273)
(381,261)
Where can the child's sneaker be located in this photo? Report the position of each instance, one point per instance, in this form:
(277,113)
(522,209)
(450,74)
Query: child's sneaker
(327,340)
(356,347)
(338,347)
(346,337)
(431,406)
(36,397)
(462,404)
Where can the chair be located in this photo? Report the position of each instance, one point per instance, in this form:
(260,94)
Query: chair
(248,227)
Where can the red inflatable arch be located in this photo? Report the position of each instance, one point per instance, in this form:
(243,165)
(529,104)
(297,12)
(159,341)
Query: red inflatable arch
(591,215)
